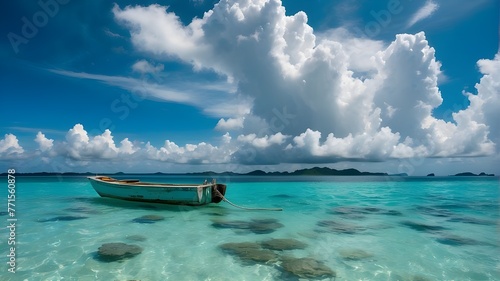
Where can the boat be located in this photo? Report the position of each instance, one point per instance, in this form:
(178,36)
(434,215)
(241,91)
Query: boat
(178,194)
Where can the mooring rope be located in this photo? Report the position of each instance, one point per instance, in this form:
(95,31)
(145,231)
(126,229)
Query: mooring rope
(246,208)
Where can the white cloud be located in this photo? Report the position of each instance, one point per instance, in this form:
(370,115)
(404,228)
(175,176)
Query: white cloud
(79,146)
(429,8)
(295,97)
(112,34)
(373,100)
(202,153)
(476,130)
(79,149)
(143,67)
(360,51)
(211,97)
(381,146)
(9,147)
(154,30)
(484,106)
(44,143)
(230,124)
(143,89)
(127,147)
(262,142)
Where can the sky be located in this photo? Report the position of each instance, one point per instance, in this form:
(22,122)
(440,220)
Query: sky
(395,86)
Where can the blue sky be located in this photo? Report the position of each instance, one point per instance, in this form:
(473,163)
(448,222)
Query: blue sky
(180,86)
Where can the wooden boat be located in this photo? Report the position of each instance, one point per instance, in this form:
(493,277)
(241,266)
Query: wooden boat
(179,194)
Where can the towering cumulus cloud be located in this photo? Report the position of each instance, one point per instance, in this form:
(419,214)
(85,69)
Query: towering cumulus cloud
(313,90)
(9,147)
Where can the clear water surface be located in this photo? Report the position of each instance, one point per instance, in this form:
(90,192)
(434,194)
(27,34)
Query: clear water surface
(362,228)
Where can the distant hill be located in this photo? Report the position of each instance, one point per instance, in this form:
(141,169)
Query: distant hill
(316,171)
(256,173)
(469,174)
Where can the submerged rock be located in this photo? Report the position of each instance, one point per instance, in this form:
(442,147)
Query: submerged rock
(81,209)
(455,240)
(258,226)
(109,252)
(352,212)
(397,277)
(283,244)
(136,238)
(148,219)
(471,220)
(435,212)
(232,247)
(63,218)
(282,196)
(230,224)
(215,214)
(344,210)
(457,205)
(306,268)
(354,254)
(264,226)
(340,227)
(392,213)
(249,256)
(422,227)
(353,216)
(249,252)
(265,220)
(214,211)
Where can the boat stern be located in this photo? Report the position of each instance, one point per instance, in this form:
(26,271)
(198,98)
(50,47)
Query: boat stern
(218,192)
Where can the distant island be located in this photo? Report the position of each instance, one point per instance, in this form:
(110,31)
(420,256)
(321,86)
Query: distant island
(469,174)
(316,171)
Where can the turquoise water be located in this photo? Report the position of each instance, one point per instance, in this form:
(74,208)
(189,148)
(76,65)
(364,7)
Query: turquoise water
(362,228)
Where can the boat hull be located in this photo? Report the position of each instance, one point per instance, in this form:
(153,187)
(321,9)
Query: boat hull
(178,194)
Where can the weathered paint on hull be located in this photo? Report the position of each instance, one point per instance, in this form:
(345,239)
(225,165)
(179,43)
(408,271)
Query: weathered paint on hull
(172,194)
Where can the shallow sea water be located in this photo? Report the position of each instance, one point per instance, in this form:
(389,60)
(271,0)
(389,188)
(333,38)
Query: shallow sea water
(363,228)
